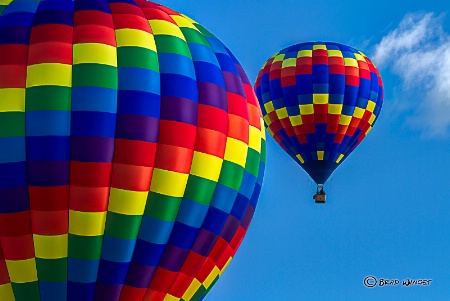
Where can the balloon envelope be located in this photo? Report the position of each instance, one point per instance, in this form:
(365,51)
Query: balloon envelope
(319,101)
(131,152)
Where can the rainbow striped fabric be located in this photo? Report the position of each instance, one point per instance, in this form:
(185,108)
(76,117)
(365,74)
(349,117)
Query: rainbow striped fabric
(132,152)
(319,101)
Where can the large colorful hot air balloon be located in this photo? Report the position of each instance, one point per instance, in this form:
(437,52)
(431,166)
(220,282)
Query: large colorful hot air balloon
(131,152)
(319,101)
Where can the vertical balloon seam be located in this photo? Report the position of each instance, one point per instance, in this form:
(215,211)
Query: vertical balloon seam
(172,290)
(341,150)
(339,134)
(208,264)
(132,286)
(321,125)
(169,244)
(5,280)
(258,92)
(374,112)
(159,269)
(378,101)
(123,260)
(210,205)
(281,100)
(346,151)
(142,238)
(283,129)
(6,283)
(380,97)
(333,151)
(107,267)
(274,68)
(280,128)
(223,254)
(113,267)
(365,127)
(342,117)
(266,65)
(345,118)
(296,154)
(72,238)
(294,120)
(317,47)
(304,99)
(328,134)
(67,208)
(19,286)
(245,220)
(259,126)
(287,126)
(86,207)
(122,293)
(355,138)
(312,147)
(259,84)
(47,262)
(27,269)
(28,160)
(331,132)
(366,94)
(207,286)
(320,75)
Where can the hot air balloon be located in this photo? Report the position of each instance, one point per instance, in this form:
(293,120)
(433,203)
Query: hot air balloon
(319,101)
(132,152)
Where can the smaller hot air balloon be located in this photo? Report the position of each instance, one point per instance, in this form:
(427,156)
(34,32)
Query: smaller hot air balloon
(319,101)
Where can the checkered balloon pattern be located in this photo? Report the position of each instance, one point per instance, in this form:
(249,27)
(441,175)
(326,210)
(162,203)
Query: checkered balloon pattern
(132,151)
(319,101)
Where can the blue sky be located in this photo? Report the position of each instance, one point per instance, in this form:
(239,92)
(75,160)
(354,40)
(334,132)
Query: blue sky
(388,208)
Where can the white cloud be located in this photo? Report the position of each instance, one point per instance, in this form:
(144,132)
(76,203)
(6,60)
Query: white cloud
(418,52)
